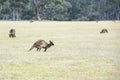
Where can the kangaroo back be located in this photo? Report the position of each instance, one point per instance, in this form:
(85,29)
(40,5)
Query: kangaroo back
(39,44)
(104,31)
(12,33)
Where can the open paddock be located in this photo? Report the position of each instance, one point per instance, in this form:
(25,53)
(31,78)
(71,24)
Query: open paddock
(80,51)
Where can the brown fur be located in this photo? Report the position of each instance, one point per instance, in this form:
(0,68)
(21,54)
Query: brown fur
(41,44)
(104,31)
(12,33)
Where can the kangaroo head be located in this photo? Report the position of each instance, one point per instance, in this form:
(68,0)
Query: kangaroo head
(51,43)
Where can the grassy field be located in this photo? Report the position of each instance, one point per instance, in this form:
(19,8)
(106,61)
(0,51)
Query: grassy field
(80,51)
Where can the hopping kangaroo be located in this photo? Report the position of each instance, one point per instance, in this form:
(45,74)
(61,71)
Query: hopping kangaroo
(12,33)
(41,44)
(104,31)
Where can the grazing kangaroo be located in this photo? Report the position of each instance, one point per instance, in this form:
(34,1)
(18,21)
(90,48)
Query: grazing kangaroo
(41,44)
(104,31)
(12,33)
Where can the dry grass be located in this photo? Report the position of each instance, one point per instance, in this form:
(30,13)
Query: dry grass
(80,51)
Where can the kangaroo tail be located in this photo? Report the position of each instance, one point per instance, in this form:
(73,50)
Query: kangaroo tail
(31,48)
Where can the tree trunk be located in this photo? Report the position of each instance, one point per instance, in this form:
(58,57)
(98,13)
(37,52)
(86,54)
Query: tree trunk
(37,14)
(118,13)
(13,15)
(17,15)
(0,8)
(35,2)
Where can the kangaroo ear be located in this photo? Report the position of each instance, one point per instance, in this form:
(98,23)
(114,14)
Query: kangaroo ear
(50,41)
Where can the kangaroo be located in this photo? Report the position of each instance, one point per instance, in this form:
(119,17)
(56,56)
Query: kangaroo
(41,44)
(104,31)
(12,33)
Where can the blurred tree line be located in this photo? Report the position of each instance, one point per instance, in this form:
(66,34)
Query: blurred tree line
(60,10)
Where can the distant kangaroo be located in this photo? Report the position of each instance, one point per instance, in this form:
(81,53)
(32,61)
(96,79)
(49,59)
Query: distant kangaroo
(41,44)
(12,33)
(104,31)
